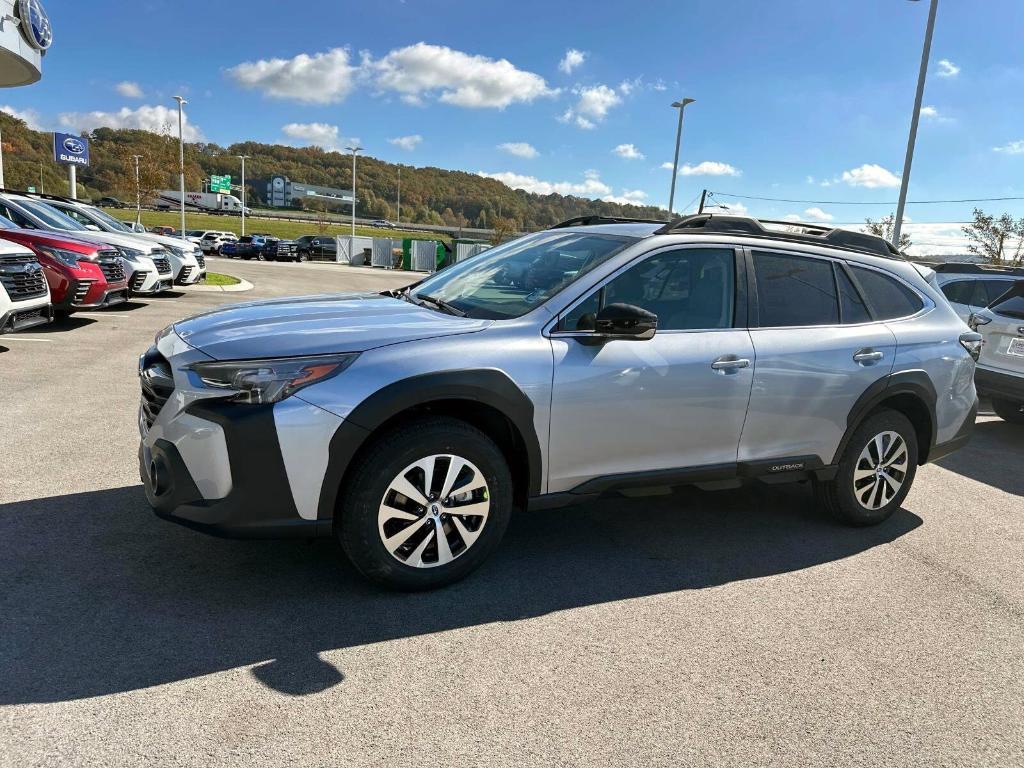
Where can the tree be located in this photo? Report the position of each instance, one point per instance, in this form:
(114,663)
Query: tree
(998,241)
(884,229)
(503,230)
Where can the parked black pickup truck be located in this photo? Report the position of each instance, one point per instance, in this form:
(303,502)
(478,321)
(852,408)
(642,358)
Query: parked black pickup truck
(316,247)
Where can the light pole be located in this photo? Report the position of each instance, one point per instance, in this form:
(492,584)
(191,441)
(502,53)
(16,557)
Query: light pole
(398,217)
(680,105)
(181,160)
(914,119)
(243,158)
(138,190)
(353,150)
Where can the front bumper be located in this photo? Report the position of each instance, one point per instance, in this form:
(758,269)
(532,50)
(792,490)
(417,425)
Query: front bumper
(188,274)
(90,294)
(1000,385)
(23,317)
(146,282)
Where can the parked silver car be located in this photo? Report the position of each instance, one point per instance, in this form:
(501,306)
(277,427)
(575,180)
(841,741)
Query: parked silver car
(599,356)
(1000,375)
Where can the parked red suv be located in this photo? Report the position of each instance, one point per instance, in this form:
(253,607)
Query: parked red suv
(81,275)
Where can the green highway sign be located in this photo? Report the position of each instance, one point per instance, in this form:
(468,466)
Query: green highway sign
(220,183)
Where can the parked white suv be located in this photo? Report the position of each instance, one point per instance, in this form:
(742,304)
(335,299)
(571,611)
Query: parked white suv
(212,241)
(24,293)
(972,287)
(1000,373)
(187,263)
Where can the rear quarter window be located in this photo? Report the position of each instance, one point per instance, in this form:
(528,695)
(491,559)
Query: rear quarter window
(887,298)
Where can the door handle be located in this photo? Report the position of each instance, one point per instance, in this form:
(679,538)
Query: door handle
(730,363)
(867,355)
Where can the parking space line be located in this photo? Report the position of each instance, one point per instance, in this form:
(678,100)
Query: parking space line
(12,338)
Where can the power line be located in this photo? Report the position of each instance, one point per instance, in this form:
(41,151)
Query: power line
(847,202)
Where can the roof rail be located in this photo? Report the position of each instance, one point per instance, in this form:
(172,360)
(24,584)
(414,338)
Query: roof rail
(43,196)
(952,267)
(595,219)
(794,231)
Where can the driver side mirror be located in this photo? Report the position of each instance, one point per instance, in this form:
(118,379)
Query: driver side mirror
(626,321)
(92,228)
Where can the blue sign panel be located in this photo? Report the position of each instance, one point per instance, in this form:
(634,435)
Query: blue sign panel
(70,150)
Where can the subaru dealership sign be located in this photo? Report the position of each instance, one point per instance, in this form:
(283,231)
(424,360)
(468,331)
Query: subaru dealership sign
(25,37)
(70,150)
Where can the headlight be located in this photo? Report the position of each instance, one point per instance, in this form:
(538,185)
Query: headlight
(181,253)
(68,257)
(271,380)
(131,253)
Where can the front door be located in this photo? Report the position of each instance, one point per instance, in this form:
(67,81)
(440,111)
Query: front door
(676,401)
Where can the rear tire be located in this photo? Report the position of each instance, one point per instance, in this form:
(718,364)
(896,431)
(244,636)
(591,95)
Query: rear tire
(1008,410)
(393,539)
(875,472)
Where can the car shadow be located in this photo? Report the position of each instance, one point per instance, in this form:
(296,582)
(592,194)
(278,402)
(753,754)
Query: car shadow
(98,596)
(991,457)
(171,294)
(61,324)
(126,306)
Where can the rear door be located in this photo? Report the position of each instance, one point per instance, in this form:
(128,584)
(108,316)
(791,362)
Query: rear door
(817,350)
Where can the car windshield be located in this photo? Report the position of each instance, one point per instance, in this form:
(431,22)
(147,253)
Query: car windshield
(108,220)
(6,223)
(1011,303)
(51,216)
(518,276)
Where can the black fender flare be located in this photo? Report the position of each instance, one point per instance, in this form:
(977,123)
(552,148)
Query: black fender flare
(488,386)
(914,382)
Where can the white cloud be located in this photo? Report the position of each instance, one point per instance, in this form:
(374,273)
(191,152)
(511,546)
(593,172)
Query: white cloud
(592,106)
(1010,148)
(408,143)
(947,68)
(929,112)
(628,152)
(816,214)
(29,116)
(932,114)
(323,78)
(314,134)
(156,119)
(628,197)
(519,149)
(129,89)
(591,186)
(571,60)
(421,70)
(706,168)
(871,176)
(810,179)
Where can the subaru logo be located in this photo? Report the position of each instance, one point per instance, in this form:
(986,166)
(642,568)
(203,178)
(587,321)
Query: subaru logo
(74,146)
(35,24)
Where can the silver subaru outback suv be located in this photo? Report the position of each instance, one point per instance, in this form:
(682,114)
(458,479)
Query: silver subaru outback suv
(599,356)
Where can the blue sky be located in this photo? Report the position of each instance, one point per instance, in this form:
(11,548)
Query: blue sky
(795,99)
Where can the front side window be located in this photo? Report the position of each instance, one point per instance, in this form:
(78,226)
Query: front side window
(51,216)
(688,289)
(794,290)
(888,298)
(516,277)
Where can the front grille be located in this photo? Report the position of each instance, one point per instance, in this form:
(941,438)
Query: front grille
(138,279)
(162,264)
(81,289)
(184,274)
(113,269)
(157,384)
(22,277)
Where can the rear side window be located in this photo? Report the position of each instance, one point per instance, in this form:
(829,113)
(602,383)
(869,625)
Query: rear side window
(961,291)
(887,298)
(794,290)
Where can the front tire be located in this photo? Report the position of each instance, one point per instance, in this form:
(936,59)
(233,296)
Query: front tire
(425,505)
(875,472)
(1008,410)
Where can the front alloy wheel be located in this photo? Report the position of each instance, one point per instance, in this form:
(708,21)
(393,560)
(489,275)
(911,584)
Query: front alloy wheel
(433,511)
(881,470)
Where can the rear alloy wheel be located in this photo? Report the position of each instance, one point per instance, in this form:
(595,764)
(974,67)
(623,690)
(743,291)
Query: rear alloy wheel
(875,471)
(302,257)
(1008,410)
(425,504)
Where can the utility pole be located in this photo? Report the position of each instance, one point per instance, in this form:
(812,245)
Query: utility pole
(353,150)
(138,191)
(42,191)
(681,106)
(3,185)
(181,161)
(243,158)
(398,218)
(914,119)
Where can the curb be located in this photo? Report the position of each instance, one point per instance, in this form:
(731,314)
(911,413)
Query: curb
(242,285)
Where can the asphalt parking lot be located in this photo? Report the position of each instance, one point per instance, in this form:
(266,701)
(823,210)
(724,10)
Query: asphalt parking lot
(733,628)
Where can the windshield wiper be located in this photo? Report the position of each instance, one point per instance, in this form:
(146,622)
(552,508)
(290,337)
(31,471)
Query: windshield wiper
(440,304)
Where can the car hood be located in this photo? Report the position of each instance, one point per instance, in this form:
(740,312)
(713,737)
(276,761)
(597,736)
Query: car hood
(52,240)
(315,325)
(167,240)
(118,239)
